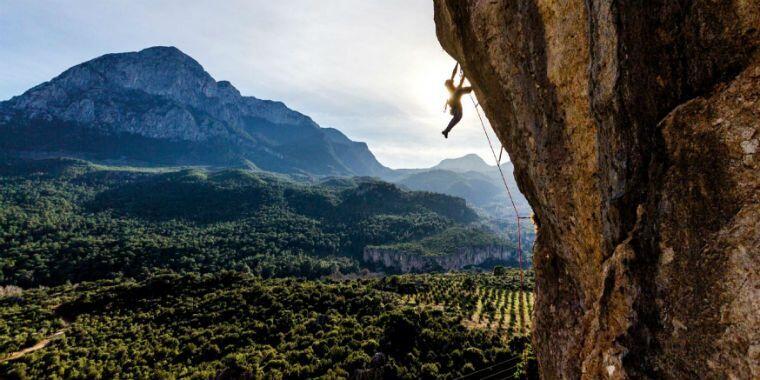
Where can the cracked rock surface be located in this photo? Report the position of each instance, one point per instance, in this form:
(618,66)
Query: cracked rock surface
(633,129)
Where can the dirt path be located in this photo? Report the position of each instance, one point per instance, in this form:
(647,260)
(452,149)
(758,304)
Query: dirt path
(40,345)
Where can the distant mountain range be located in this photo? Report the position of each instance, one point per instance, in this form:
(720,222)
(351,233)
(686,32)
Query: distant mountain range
(159,107)
(468,177)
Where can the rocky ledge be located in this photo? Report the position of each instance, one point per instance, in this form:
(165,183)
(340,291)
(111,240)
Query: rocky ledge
(406,261)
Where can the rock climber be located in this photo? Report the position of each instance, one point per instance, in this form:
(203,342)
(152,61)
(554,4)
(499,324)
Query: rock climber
(455,101)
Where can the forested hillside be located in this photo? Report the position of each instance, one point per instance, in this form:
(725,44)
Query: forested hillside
(168,273)
(68,220)
(235,325)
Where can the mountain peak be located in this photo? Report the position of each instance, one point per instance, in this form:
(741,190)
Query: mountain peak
(472,157)
(163,50)
(160,57)
(163,55)
(162,102)
(469,162)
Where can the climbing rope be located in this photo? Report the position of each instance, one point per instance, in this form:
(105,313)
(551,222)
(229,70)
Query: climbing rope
(498,166)
(485,373)
(506,186)
(502,374)
(480,373)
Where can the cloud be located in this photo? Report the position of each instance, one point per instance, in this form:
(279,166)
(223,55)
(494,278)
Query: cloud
(372,69)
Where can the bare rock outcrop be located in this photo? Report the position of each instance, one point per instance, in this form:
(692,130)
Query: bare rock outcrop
(158,106)
(633,128)
(406,262)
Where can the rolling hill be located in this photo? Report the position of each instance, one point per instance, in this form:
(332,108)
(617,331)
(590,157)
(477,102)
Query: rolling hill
(468,177)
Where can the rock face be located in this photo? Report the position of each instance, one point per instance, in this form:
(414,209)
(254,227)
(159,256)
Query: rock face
(406,262)
(633,128)
(159,105)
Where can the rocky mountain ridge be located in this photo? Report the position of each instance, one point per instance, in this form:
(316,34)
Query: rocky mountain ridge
(159,107)
(471,178)
(161,97)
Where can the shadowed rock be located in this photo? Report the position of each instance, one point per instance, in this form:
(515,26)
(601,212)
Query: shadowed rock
(632,127)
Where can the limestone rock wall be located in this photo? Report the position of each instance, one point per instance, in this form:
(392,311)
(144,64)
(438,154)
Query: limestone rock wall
(406,262)
(633,128)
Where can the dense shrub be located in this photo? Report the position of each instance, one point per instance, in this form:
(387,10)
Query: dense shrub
(235,325)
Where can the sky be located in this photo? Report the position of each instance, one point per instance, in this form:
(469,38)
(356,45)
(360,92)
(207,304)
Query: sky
(371,68)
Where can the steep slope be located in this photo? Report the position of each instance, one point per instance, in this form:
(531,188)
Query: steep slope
(452,249)
(633,129)
(159,106)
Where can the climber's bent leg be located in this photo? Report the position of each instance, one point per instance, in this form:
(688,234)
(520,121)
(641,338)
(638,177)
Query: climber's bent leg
(454,120)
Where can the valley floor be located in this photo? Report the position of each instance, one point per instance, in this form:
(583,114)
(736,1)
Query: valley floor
(233,325)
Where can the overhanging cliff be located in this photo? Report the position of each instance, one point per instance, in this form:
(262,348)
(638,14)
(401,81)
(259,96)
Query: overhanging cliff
(633,129)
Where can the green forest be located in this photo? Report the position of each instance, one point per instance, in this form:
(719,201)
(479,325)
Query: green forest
(67,220)
(447,243)
(118,272)
(236,325)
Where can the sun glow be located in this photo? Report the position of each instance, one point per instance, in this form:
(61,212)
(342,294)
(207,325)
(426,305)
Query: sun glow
(427,89)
